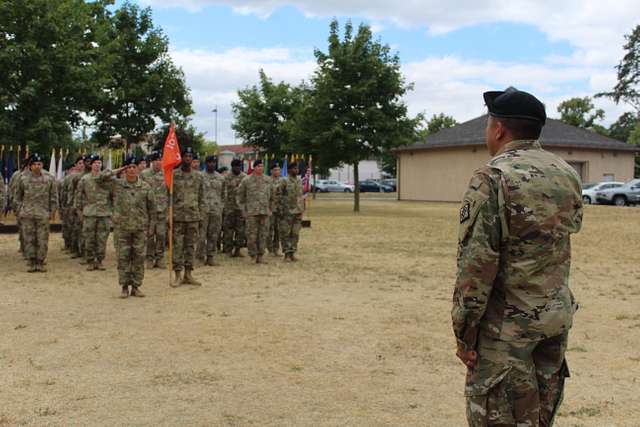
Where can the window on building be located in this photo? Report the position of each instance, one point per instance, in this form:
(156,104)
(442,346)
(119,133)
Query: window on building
(608,177)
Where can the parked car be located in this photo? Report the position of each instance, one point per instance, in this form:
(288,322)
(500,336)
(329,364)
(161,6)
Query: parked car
(375,187)
(628,194)
(391,182)
(589,191)
(332,186)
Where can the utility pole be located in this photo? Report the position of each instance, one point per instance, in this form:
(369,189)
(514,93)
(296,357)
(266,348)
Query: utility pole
(215,110)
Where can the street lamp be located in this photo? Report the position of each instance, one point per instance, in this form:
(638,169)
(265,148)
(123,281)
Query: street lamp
(215,110)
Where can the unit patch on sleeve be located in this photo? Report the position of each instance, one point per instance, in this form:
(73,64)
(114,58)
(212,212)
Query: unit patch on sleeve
(465,212)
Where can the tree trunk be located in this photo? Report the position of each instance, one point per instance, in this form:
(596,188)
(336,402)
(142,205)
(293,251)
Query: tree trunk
(356,188)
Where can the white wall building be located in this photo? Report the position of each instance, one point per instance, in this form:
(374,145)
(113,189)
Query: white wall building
(367,169)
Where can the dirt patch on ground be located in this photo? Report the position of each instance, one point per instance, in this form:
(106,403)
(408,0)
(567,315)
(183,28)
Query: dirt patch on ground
(357,333)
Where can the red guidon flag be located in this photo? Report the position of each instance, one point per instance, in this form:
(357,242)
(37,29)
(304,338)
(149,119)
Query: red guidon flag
(170,156)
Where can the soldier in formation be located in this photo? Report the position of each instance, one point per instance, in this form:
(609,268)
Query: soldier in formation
(234,222)
(212,215)
(157,240)
(512,306)
(289,208)
(255,199)
(273,239)
(13,188)
(36,201)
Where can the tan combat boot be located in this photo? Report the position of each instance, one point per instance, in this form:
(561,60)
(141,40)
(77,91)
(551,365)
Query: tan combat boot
(211,262)
(161,263)
(125,292)
(40,266)
(260,260)
(293,258)
(32,267)
(237,254)
(177,280)
(189,280)
(150,264)
(136,292)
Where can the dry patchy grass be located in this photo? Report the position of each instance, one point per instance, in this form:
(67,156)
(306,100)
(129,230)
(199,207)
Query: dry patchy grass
(358,333)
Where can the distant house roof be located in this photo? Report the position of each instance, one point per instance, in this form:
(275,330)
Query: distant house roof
(554,134)
(237,148)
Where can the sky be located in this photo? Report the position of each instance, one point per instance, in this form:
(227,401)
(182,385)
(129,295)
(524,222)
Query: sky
(451,51)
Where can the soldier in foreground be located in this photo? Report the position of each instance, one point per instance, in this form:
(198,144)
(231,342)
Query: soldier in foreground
(133,211)
(273,239)
(188,206)
(157,240)
(512,307)
(255,199)
(290,207)
(36,202)
(234,222)
(212,215)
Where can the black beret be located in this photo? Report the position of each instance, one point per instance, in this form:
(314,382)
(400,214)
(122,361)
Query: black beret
(94,158)
(189,150)
(223,169)
(515,104)
(35,157)
(292,165)
(236,162)
(140,160)
(131,160)
(257,162)
(81,158)
(210,159)
(275,165)
(155,155)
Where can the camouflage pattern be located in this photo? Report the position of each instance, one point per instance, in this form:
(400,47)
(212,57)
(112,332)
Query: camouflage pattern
(157,239)
(212,218)
(188,206)
(3,195)
(255,199)
(134,209)
(290,207)
(76,214)
(514,256)
(273,238)
(93,198)
(13,187)
(66,211)
(234,225)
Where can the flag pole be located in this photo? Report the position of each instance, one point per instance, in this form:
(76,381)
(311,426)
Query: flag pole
(170,267)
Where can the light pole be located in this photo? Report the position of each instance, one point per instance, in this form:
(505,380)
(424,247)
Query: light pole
(215,110)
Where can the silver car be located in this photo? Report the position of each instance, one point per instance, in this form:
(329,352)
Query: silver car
(589,190)
(628,194)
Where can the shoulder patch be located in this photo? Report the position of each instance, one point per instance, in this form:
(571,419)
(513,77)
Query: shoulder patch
(465,212)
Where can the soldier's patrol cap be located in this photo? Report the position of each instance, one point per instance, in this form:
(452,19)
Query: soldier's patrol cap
(257,162)
(292,165)
(94,158)
(35,157)
(131,160)
(515,104)
(276,165)
(236,162)
(209,159)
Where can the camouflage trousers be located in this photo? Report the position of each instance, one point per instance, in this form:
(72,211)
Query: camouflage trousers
(20,235)
(66,227)
(95,232)
(77,233)
(209,233)
(185,239)
(290,226)
(273,240)
(257,231)
(157,241)
(35,232)
(234,230)
(516,383)
(130,253)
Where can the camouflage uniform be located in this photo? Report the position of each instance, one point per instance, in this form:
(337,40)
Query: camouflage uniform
(512,302)
(234,224)
(3,194)
(36,200)
(255,199)
(188,205)
(66,211)
(212,217)
(13,188)
(93,199)
(273,239)
(76,215)
(158,228)
(290,207)
(133,210)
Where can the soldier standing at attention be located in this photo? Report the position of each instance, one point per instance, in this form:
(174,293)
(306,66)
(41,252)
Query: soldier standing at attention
(36,200)
(157,240)
(93,199)
(141,163)
(188,206)
(273,239)
(212,217)
(133,211)
(13,187)
(77,218)
(255,199)
(234,222)
(290,207)
(512,307)
(3,195)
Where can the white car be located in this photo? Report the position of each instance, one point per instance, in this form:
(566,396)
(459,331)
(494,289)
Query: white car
(589,190)
(329,185)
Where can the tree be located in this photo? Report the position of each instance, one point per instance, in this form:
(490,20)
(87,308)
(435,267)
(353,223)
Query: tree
(355,110)
(142,84)
(436,123)
(628,87)
(265,115)
(580,112)
(49,69)
(187,136)
(622,128)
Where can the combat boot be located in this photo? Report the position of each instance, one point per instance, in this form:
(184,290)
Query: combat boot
(286,258)
(90,266)
(125,292)
(161,263)
(136,292)
(40,267)
(32,267)
(293,258)
(211,262)
(98,266)
(150,263)
(189,280)
(260,260)
(177,280)
(236,253)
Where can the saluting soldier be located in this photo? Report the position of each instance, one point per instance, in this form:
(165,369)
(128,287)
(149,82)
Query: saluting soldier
(94,200)
(512,306)
(273,240)
(212,216)
(290,207)
(84,169)
(36,201)
(188,206)
(234,222)
(157,240)
(133,211)
(255,199)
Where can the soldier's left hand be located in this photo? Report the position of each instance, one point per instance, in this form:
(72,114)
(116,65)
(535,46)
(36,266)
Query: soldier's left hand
(469,357)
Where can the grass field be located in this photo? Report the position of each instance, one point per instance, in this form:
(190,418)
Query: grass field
(357,333)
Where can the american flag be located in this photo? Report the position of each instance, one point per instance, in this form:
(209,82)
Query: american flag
(306,181)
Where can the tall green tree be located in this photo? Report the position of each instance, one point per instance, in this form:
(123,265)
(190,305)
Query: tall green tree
(627,89)
(622,128)
(188,136)
(142,85)
(49,69)
(355,111)
(580,112)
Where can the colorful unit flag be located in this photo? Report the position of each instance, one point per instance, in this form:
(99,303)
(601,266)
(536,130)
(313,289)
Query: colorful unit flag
(170,156)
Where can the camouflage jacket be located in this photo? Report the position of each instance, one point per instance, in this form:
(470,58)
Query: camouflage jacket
(213,192)
(231,184)
(3,194)
(289,196)
(133,205)
(159,188)
(66,192)
(254,196)
(13,187)
(188,196)
(36,196)
(93,195)
(514,250)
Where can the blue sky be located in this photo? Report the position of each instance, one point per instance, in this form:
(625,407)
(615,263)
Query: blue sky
(451,52)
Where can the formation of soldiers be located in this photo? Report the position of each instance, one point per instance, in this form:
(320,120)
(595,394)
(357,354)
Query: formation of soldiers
(214,212)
